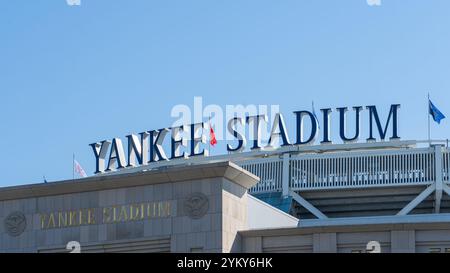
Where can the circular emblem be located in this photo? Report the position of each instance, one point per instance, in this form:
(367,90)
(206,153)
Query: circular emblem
(196,205)
(15,223)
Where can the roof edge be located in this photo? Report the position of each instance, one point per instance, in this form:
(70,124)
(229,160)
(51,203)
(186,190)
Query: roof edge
(169,174)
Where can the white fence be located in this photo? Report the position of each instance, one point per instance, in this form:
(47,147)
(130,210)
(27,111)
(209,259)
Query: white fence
(349,169)
(445,165)
(270,172)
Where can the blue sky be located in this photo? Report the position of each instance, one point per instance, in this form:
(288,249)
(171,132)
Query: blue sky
(73,75)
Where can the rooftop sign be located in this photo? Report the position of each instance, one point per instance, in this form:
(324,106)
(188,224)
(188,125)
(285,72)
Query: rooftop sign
(190,140)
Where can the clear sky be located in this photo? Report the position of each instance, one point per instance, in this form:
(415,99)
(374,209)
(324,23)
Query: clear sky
(73,75)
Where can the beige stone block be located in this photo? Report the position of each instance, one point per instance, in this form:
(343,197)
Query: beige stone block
(173,243)
(140,195)
(158,192)
(93,201)
(215,205)
(201,239)
(36,221)
(216,221)
(174,208)
(190,241)
(196,225)
(50,237)
(210,240)
(206,186)
(196,185)
(324,243)
(167,226)
(178,190)
(84,201)
(363,237)
(177,225)
(234,210)
(180,207)
(23,240)
(225,205)
(75,202)
(66,203)
(41,204)
(102,199)
(431,235)
(186,226)
(40,237)
(111,232)
(30,206)
(12,205)
(84,234)
(403,241)
(148,193)
(181,243)
(31,239)
(216,186)
(206,222)
(121,196)
(58,237)
(93,233)
(219,239)
(157,227)
(148,228)
(14,242)
(130,195)
(167,191)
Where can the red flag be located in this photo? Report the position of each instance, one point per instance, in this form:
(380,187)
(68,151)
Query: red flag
(212,136)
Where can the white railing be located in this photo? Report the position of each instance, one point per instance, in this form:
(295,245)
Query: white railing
(348,169)
(269,170)
(446,165)
(362,169)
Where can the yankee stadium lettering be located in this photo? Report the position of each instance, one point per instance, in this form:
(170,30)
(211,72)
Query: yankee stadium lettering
(147,147)
(105,215)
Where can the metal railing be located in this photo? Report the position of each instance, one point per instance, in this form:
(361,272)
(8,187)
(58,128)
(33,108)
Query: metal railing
(352,170)
(269,170)
(348,169)
(445,165)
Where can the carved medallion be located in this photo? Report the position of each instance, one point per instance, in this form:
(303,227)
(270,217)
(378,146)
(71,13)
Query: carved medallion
(196,205)
(15,223)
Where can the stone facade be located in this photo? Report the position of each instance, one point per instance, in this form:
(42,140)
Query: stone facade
(195,209)
(393,238)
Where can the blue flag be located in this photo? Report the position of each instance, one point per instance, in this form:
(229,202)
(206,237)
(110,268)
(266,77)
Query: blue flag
(435,113)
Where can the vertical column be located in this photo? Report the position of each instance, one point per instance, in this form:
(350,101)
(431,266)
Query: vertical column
(438,173)
(324,243)
(403,241)
(285,175)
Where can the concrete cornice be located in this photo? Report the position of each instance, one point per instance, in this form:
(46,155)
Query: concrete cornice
(170,174)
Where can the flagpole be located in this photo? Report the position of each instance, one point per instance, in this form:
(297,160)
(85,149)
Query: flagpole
(429,126)
(209,139)
(73,166)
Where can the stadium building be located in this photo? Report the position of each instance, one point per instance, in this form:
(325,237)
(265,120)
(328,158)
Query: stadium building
(358,197)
